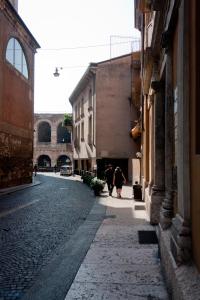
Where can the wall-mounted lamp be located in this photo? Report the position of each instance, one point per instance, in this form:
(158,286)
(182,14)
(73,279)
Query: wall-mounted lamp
(138,155)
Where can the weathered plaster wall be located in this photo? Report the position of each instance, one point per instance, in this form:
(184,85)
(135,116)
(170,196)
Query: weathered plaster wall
(115,114)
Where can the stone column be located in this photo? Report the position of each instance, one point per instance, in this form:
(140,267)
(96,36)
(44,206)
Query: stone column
(54,133)
(159,152)
(181,237)
(167,205)
(145,158)
(151,141)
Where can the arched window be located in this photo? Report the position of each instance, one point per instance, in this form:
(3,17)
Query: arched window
(63,135)
(44,132)
(15,56)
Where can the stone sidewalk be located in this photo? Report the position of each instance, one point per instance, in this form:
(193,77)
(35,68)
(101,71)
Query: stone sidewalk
(117,266)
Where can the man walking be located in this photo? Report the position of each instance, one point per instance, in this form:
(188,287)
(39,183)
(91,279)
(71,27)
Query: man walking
(109,178)
(35,168)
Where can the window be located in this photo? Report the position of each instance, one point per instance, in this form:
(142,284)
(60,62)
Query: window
(82,131)
(90,100)
(79,133)
(90,130)
(79,110)
(82,107)
(76,114)
(15,56)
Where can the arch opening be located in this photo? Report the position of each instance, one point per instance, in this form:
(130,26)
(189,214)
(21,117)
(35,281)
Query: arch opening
(44,132)
(63,135)
(44,161)
(63,160)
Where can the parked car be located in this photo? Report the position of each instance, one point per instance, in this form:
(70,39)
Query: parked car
(65,170)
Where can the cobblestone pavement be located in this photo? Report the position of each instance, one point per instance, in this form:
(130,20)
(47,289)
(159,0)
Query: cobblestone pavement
(34,223)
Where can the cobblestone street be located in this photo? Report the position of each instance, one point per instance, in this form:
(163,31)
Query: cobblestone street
(35,223)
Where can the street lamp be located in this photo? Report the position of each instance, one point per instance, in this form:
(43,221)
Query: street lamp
(57,73)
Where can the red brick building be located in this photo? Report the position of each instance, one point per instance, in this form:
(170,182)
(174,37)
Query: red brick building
(17,50)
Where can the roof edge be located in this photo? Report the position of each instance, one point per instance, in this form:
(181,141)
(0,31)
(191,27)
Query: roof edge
(22,23)
(89,71)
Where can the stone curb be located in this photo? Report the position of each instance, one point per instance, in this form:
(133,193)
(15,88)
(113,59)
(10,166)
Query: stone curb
(17,188)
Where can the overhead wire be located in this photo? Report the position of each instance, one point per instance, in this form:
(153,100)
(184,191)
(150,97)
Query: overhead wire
(88,46)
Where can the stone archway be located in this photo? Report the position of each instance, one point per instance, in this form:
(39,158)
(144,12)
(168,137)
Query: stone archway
(44,161)
(63,160)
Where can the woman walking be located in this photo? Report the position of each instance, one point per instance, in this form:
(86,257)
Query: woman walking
(118,181)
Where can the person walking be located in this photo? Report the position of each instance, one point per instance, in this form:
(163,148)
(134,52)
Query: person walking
(109,178)
(35,169)
(118,181)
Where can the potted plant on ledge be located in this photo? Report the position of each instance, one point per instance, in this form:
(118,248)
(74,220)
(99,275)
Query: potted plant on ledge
(97,185)
(67,121)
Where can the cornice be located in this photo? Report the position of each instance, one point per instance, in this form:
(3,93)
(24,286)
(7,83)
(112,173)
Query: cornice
(19,26)
(89,73)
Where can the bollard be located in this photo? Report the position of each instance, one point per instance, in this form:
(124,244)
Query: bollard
(137,191)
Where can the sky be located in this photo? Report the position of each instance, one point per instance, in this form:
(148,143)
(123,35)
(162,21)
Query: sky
(73,33)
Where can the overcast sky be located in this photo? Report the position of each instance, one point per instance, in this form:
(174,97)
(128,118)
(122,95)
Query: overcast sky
(73,33)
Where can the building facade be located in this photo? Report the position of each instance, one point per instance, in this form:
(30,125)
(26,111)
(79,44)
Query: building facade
(17,50)
(103,116)
(170,141)
(52,142)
